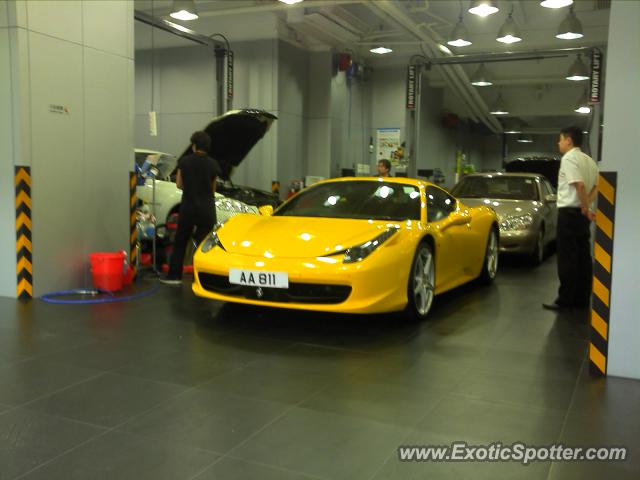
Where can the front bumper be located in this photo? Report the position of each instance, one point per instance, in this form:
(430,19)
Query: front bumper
(520,242)
(376,285)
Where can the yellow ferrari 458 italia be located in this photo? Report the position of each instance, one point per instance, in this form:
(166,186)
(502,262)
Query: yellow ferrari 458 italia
(351,245)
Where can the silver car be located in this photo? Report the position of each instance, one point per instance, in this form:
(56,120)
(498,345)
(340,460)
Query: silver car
(525,204)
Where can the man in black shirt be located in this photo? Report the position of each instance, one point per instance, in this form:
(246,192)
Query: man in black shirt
(196,178)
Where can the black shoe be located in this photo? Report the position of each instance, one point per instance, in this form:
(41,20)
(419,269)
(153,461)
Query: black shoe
(556,307)
(171,280)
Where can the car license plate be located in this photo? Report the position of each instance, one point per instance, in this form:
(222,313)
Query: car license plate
(256,278)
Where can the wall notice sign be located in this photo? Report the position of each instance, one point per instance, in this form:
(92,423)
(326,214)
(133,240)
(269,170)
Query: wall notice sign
(596,73)
(411,87)
(389,147)
(61,109)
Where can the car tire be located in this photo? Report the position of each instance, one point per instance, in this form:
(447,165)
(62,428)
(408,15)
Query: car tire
(537,256)
(491,253)
(422,281)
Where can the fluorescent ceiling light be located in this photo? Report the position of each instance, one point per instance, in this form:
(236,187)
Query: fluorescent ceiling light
(578,71)
(556,3)
(381,50)
(570,28)
(509,32)
(459,35)
(481,78)
(525,139)
(483,8)
(583,104)
(184,10)
(499,107)
(290,2)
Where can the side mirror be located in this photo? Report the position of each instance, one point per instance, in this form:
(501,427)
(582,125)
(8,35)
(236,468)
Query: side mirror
(551,198)
(266,210)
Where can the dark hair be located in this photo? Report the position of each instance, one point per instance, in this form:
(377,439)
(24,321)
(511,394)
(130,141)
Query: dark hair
(575,133)
(201,140)
(386,163)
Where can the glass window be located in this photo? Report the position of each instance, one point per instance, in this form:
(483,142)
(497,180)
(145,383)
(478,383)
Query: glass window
(498,187)
(439,204)
(356,199)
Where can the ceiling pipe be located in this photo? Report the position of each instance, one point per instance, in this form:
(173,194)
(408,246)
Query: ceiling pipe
(176,29)
(509,56)
(454,73)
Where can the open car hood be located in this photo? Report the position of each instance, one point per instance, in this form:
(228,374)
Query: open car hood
(234,134)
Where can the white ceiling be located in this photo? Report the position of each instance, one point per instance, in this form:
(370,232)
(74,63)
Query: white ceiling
(536,89)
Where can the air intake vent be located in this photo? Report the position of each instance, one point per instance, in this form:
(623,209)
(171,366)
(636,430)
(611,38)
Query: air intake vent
(601,4)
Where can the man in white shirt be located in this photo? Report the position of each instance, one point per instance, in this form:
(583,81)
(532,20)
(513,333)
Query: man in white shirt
(577,187)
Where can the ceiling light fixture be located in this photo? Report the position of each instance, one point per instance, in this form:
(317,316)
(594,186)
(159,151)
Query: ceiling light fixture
(381,50)
(499,107)
(583,106)
(290,2)
(525,139)
(483,8)
(509,32)
(578,71)
(459,35)
(184,10)
(481,78)
(570,28)
(513,126)
(556,3)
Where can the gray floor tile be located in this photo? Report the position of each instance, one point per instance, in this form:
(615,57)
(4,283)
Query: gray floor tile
(28,439)
(264,381)
(25,381)
(514,389)
(206,419)
(381,402)
(492,422)
(107,400)
(123,457)
(236,469)
(323,444)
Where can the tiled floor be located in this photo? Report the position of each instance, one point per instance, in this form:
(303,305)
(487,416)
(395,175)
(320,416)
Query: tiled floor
(174,387)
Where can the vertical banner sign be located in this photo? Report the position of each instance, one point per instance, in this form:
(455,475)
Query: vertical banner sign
(411,87)
(602,273)
(24,268)
(229,74)
(596,72)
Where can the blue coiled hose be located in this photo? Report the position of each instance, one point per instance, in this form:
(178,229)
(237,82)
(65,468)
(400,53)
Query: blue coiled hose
(51,297)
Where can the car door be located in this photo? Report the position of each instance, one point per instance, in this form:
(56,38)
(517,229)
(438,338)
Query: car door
(550,210)
(449,228)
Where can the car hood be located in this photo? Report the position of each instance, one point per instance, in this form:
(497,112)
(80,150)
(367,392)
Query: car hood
(234,134)
(296,237)
(505,208)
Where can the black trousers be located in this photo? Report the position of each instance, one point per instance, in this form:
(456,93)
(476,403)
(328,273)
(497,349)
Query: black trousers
(203,220)
(575,265)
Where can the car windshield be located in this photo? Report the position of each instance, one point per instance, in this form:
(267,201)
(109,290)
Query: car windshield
(163,167)
(356,199)
(498,187)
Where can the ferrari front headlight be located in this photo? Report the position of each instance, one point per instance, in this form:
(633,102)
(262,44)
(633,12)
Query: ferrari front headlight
(362,251)
(516,222)
(211,241)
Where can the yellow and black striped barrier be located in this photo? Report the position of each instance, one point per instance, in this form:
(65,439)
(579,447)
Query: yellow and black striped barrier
(24,248)
(133,233)
(602,270)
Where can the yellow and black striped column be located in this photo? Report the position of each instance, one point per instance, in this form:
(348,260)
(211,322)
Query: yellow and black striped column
(602,270)
(133,233)
(24,249)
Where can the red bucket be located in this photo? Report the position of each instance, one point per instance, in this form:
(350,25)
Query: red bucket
(107,270)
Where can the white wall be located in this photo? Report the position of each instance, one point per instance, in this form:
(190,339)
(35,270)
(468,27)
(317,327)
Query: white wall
(78,55)
(621,133)
(185,100)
